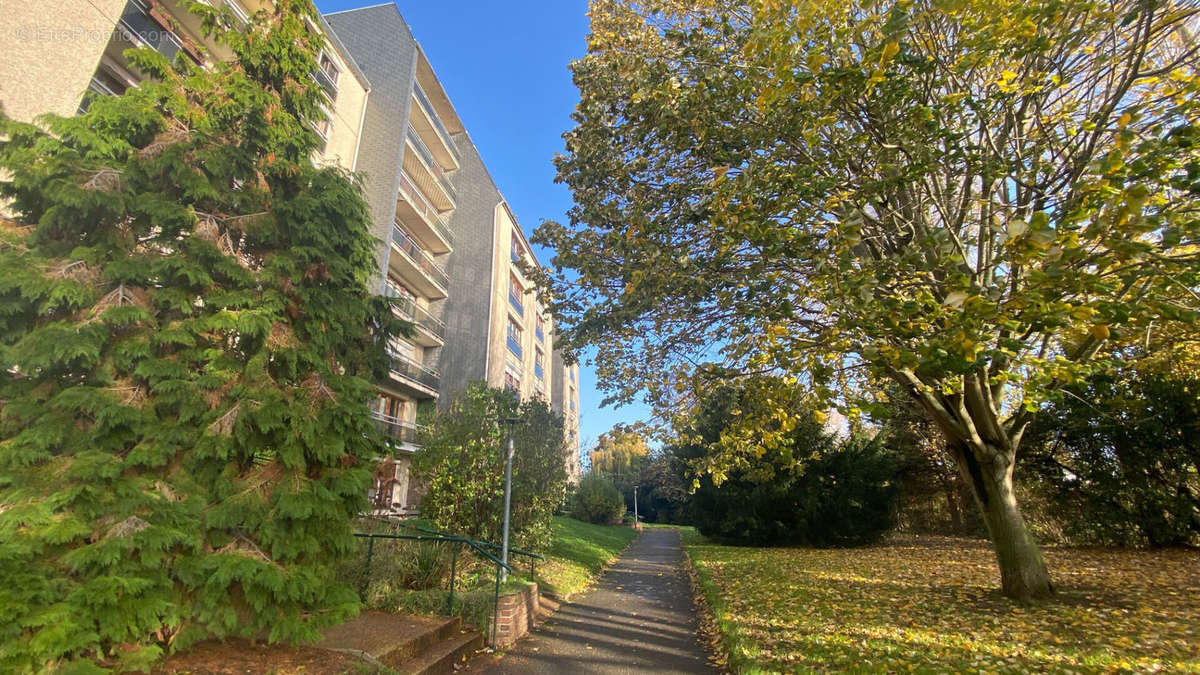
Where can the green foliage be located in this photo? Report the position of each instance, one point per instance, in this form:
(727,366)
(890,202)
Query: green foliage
(597,500)
(967,198)
(619,450)
(461,462)
(185,362)
(811,490)
(1121,452)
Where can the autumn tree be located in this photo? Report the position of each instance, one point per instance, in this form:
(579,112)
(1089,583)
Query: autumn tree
(461,463)
(967,198)
(186,348)
(621,449)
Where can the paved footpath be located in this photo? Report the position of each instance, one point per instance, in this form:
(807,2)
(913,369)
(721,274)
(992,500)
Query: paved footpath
(638,618)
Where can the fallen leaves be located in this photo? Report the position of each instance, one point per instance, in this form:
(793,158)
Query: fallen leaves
(931,604)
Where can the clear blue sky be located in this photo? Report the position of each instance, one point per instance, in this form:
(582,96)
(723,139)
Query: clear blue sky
(504,66)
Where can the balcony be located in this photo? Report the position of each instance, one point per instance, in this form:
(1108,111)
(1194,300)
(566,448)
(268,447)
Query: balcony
(139,23)
(416,376)
(514,346)
(431,332)
(430,126)
(396,430)
(411,263)
(414,209)
(419,162)
(514,301)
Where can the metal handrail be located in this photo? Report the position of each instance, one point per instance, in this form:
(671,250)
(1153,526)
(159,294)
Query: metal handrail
(534,557)
(411,311)
(457,541)
(414,371)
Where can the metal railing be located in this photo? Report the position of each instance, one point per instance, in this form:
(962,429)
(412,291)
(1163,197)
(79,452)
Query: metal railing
(137,20)
(420,203)
(456,543)
(420,258)
(441,130)
(434,166)
(326,82)
(414,371)
(409,310)
(397,429)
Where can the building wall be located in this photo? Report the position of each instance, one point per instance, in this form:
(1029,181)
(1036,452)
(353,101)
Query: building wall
(391,72)
(348,109)
(472,269)
(48,52)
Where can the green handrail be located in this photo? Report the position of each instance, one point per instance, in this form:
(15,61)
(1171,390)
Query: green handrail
(533,557)
(443,537)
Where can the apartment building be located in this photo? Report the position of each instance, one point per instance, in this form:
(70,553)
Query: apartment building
(54,56)
(449,246)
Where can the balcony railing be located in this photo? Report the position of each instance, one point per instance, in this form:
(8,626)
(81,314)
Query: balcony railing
(409,310)
(396,429)
(411,370)
(413,250)
(326,83)
(433,116)
(514,346)
(136,19)
(420,203)
(514,299)
(434,167)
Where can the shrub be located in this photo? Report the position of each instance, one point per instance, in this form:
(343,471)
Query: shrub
(597,500)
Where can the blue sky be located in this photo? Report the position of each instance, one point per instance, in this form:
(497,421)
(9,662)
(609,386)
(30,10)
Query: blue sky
(504,66)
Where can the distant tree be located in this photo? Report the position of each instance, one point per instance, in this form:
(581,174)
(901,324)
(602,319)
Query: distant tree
(461,462)
(809,489)
(968,198)
(1121,454)
(620,449)
(663,496)
(187,345)
(597,500)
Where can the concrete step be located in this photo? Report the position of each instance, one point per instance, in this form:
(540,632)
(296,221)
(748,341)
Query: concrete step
(442,657)
(389,639)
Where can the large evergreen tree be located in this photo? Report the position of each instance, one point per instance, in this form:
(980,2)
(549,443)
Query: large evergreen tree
(186,338)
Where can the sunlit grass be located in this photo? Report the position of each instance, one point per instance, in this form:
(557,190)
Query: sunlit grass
(578,552)
(931,605)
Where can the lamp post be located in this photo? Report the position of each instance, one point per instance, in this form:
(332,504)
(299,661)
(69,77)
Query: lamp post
(508,457)
(635,514)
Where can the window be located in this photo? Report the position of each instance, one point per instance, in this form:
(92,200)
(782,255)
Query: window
(511,381)
(514,337)
(326,75)
(388,407)
(330,69)
(514,252)
(538,369)
(572,397)
(239,12)
(539,330)
(572,372)
(515,293)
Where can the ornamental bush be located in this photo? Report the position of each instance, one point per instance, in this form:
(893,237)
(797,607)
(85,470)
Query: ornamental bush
(597,500)
(186,347)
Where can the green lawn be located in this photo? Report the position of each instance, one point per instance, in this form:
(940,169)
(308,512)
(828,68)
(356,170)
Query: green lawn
(929,604)
(578,552)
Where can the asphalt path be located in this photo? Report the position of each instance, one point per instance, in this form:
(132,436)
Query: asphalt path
(638,618)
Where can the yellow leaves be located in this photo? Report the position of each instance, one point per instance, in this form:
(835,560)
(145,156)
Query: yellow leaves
(889,51)
(1100,331)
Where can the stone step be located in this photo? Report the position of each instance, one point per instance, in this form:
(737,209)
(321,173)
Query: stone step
(390,639)
(442,657)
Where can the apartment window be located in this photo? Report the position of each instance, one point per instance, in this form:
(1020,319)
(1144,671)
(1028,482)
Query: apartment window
(327,74)
(515,293)
(511,381)
(388,407)
(538,369)
(396,289)
(572,398)
(514,337)
(572,373)
(239,12)
(539,329)
(514,252)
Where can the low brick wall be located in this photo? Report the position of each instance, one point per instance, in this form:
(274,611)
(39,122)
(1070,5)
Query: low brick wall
(516,614)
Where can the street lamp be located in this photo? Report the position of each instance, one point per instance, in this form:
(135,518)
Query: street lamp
(635,515)
(508,457)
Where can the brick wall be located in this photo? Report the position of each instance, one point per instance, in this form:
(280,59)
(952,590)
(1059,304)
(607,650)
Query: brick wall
(516,614)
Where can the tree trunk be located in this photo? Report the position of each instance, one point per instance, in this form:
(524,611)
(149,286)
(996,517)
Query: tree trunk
(1023,574)
(950,489)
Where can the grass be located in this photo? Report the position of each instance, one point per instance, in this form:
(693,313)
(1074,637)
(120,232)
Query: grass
(930,604)
(578,552)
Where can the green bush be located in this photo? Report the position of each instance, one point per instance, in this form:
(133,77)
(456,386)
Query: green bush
(597,500)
